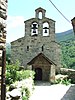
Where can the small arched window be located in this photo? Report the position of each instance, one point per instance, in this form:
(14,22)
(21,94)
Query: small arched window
(40,15)
(45,29)
(27,48)
(42,48)
(34,29)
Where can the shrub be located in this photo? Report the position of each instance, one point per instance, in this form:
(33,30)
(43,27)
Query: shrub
(9,80)
(63,81)
(11,72)
(25,74)
(24,98)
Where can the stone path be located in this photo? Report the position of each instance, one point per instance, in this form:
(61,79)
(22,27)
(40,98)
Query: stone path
(45,91)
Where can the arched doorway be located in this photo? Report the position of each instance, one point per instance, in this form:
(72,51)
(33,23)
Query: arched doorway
(38,74)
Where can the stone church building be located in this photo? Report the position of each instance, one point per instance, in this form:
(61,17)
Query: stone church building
(38,50)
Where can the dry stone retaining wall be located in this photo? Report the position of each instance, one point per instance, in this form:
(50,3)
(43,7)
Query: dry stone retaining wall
(69,72)
(3,17)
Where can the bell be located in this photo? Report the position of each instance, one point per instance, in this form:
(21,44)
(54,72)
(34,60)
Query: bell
(34,30)
(45,31)
(34,26)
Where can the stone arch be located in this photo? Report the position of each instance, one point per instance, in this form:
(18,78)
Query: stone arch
(40,10)
(34,28)
(40,15)
(45,29)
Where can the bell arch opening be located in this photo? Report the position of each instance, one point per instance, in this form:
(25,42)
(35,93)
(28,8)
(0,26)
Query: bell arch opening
(40,15)
(45,29)
(34,29)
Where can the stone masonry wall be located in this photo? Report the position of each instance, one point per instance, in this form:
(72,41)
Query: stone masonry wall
(3,17)
(51,49)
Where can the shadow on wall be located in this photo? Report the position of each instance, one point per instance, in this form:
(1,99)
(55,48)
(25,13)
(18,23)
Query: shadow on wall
(70,94)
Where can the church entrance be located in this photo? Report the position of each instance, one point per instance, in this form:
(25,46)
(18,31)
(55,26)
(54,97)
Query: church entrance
(38,74)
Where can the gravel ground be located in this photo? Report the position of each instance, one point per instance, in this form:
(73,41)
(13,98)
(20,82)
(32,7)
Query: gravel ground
(53,92)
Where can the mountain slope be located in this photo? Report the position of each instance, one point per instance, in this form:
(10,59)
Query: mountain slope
(64,36)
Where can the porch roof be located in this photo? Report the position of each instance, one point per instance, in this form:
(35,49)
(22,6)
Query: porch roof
(39,55)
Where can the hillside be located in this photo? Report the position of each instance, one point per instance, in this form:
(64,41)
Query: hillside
(8,51)
(67,43)
(63,36)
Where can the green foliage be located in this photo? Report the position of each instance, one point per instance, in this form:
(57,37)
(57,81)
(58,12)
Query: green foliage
(24,98)
(25,93)
(11,72)
(8,52)
(64,36)
(63,81)
(9,79)
(68,53)
(25,74)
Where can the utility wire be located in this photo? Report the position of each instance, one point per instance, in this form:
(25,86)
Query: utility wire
(59,11)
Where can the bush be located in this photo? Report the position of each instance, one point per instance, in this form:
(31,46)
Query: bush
(13,74)
(27,94)
(25,74)
(24,98)
(22,79)
(63,81)
(9,80)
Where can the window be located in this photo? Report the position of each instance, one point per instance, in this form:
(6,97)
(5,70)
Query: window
(27,48)
(42,48)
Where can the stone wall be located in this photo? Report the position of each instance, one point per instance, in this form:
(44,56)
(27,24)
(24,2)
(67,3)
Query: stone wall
(50,49)
(69,72)
(3,17)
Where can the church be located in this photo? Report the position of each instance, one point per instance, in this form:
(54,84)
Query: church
(38,49)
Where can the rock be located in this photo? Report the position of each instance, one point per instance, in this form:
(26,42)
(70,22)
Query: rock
(3,9)
(3,5)
(70,73)
(2,45)
(21,68)
(15,94)
(59,76)
(8,96)
(12,86)
(2,22)
(3,14)
(2,40)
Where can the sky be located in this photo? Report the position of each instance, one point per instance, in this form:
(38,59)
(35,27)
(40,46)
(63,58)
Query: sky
(21,10)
